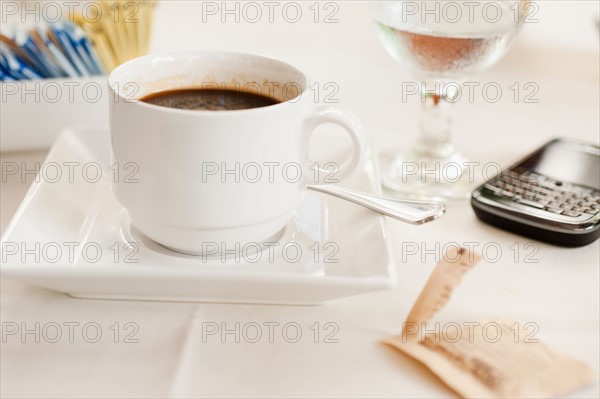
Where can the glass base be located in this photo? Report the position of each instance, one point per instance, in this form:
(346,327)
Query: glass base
(418,175)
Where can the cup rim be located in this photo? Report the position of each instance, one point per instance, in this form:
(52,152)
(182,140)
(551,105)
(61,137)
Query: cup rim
(127,64)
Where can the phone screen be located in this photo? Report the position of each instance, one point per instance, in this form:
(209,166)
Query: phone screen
(578,164)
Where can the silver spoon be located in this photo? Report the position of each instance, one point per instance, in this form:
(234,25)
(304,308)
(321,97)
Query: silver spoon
(413,212)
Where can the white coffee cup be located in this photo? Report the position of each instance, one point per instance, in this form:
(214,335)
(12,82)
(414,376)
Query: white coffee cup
(197,178)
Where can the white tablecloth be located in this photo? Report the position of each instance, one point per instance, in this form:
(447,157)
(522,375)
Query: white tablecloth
(171,352)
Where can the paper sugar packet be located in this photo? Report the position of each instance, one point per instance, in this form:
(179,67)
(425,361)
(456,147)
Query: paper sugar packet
(487,359)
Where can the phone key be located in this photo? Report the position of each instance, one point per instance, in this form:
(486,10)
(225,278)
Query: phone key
(572,213)
(591,211)
(584,193)
(555,210)
(499,192)
(528,179)
(548,185)
(531,203)
(496,190)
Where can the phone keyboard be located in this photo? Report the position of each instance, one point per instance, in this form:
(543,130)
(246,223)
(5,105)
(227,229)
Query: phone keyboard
(541,192)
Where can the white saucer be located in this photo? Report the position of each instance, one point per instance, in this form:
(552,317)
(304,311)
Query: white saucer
(71,235)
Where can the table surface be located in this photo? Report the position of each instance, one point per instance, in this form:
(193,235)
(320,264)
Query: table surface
(555,289)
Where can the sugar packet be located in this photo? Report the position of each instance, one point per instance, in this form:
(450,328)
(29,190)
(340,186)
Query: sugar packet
(488,359)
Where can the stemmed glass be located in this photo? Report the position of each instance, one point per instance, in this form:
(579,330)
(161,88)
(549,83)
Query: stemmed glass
(440,43)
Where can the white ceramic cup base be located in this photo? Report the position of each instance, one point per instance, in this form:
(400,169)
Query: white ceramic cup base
(210,241)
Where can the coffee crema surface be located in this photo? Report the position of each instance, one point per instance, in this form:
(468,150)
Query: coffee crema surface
(209,99)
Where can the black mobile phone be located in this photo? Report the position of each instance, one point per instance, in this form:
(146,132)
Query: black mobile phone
(552,195)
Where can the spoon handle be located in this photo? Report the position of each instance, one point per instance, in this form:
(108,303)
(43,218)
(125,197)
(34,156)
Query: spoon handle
(413,212)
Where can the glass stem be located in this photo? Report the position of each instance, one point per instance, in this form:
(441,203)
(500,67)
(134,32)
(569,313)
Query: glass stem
(434,139)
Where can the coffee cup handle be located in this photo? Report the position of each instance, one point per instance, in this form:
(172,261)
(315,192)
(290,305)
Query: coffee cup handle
(353,127)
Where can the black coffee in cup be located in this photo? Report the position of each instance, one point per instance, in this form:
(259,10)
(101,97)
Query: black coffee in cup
(209,99)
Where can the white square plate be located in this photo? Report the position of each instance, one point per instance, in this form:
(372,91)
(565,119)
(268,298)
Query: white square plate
(71,235)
